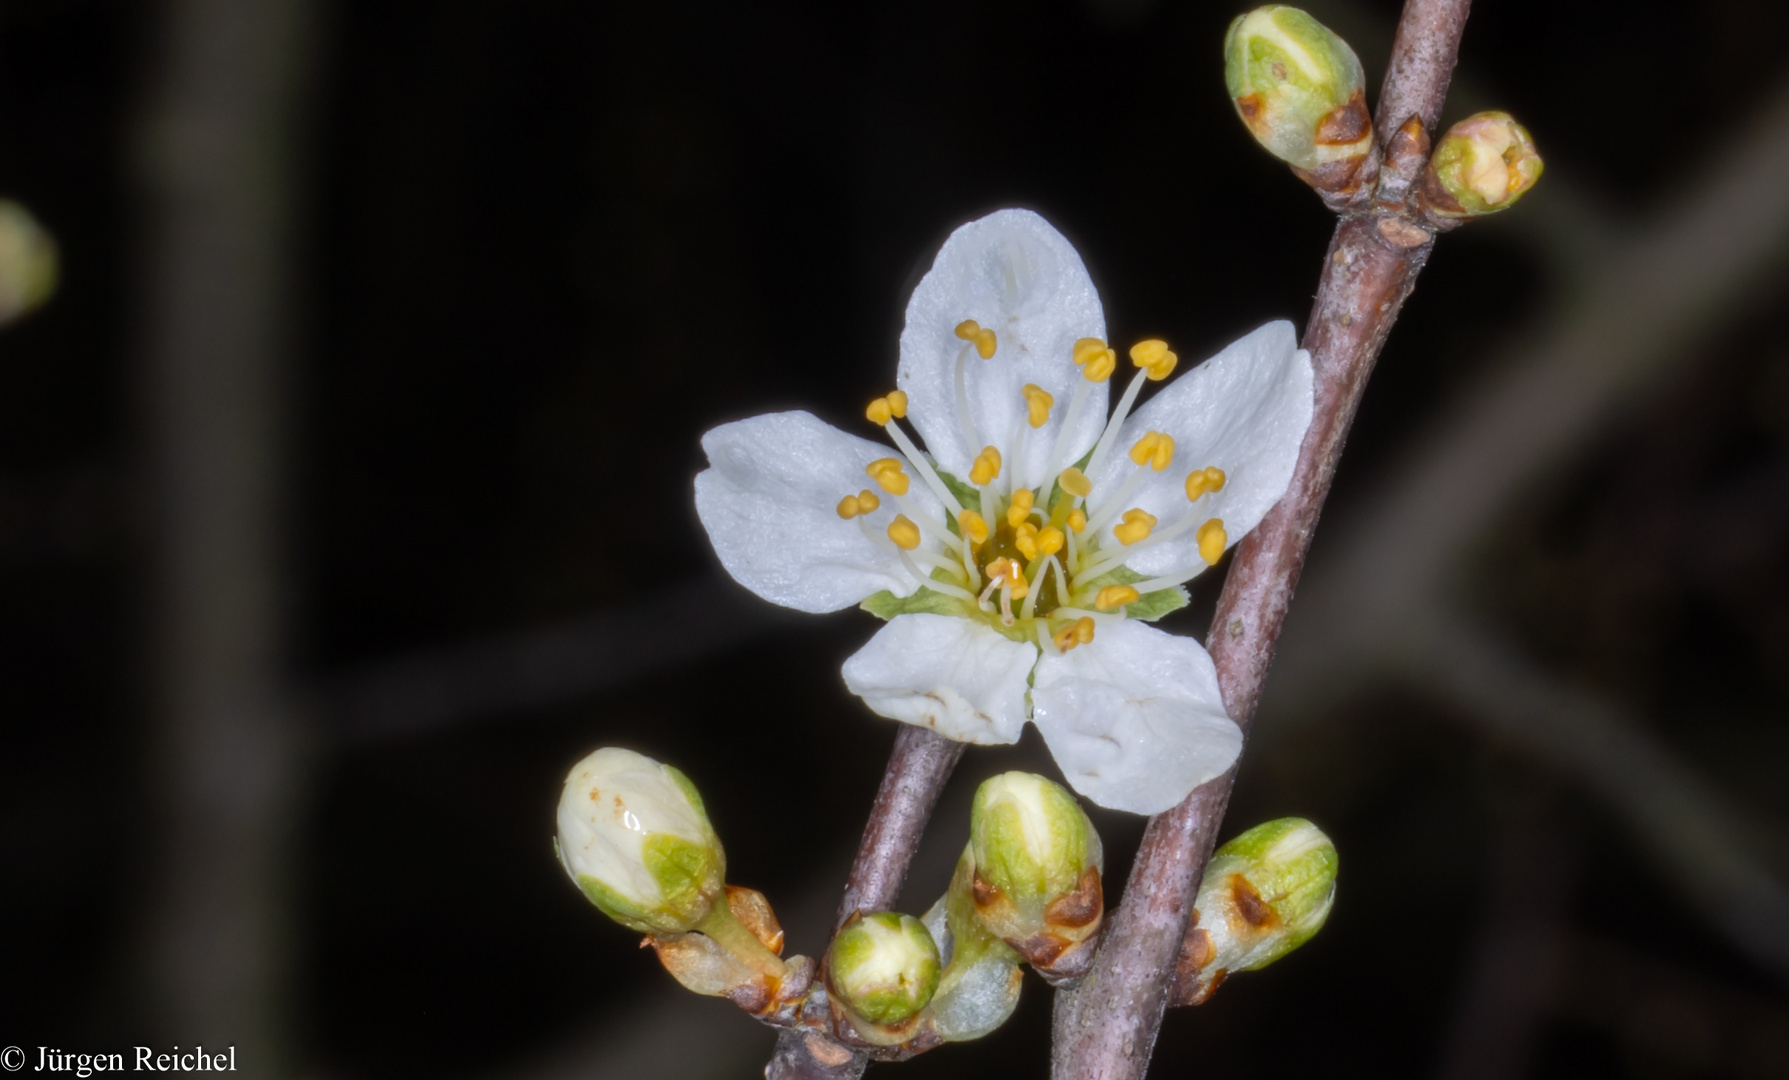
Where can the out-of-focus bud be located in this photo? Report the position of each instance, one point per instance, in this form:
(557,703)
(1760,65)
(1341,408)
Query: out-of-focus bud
(982,975)
(27,262)
(634,836)
(1036,872)
(1265,893)
(1302,93)
(1482,165)
(882,970)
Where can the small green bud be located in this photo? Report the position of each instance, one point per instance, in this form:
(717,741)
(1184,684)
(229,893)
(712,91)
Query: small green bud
(28,262)
(883,968)
(635,837)
(1264,894)
(1482,165)
(1035,872)
(1300,90)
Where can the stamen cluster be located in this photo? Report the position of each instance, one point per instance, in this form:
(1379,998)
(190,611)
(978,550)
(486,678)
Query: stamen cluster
(1035,541)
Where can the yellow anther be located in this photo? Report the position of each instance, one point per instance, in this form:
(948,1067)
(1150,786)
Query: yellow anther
(1115,596)
(970,330)
(1079,632)
(1154,357)
(1075,482)
(985,344)
(973,526)
(1212,541)
(1201,481)
(1037,404)
(1087,348)
(850,506)
(1009,573)
(1155,450)
(1077,520)
(1021,507)
(903,532)
(1136,525)
(883,409)
(888,475)
(1050,540)
(867,502)
(1095,358)
(1025,539)
(985,467)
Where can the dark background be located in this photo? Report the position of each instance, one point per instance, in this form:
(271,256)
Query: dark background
(524,253)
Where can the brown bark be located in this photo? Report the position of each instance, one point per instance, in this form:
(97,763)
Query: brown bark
(217,146)
(1106,1028)
(918,768)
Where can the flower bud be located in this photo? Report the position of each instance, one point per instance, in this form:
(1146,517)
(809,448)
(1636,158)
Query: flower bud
(1301,91)
(1264,894)
(883,969)
(1482,165)
(27,262)
(982,975)
(1036,872)
(634,836)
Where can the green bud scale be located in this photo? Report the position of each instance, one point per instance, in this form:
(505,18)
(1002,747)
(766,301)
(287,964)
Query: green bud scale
(1035,863)
(1301,92)
(1264,894)
(1482,165)
(883,969)
(982,976)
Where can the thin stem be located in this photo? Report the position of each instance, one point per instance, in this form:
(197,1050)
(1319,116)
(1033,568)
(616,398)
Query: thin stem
(1107,1029)
(918,768)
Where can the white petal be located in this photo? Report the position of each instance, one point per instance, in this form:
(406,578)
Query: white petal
(1017,276)
(1245,411)
(956,676)
(770,505)
(1134,717)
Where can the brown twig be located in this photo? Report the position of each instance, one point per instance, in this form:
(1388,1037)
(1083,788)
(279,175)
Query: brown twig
(918,768)
(1106,1028)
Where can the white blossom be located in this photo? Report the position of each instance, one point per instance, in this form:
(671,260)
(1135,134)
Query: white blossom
(1018,556)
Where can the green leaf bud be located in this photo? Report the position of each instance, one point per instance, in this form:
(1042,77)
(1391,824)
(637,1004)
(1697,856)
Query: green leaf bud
(1264,894)
(28,262)
(1035,872)
(1301,91)
(882,969)
(1482,165)
(633,834)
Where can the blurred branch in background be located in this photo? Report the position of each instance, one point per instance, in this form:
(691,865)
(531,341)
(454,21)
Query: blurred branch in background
(1707,850)
(438,688)
(1670,1020)
(1514,964)
(217,163)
